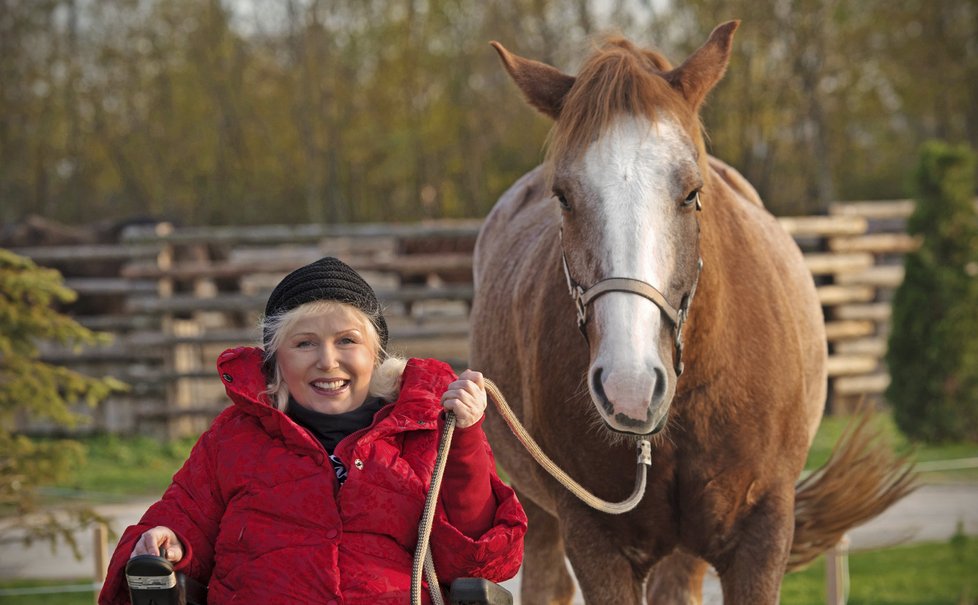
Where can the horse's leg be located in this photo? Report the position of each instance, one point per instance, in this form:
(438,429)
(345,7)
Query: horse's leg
(677,580)
(546,579)
(751,573)
(604,572)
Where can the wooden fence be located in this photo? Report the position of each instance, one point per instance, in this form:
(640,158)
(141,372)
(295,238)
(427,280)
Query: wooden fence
(175,298)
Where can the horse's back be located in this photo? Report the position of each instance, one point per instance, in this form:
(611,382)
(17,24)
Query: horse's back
(736,181)
(516,220)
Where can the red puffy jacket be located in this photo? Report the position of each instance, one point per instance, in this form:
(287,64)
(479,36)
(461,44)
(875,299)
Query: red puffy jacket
(262,518)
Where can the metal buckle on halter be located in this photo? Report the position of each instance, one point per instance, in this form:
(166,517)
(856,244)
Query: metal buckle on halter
(645,452)
(681,321)
(681,315)
(578,293)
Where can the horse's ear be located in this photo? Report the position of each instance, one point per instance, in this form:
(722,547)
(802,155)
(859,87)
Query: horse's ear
(703,69)
(543,86)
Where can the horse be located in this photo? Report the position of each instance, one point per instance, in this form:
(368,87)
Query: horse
(674,268)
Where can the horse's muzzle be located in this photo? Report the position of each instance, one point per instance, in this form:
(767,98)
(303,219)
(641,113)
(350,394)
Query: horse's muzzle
(632,412)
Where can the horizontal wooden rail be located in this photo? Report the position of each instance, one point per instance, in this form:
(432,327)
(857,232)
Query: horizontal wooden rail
(295,234)
(878,243)
(877,209)
(870,345)
(45,255)
(879,276)
(878,312)
(845,329)
(187,303)
(409,265)
(836,295)
(868,384)
(847,365)
(823,226)
(107,286)
(830,264)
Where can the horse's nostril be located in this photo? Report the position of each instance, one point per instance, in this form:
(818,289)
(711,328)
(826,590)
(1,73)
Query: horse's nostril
(659,390)
(598,389)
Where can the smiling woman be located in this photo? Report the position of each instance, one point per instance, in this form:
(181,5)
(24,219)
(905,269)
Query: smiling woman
(310,487)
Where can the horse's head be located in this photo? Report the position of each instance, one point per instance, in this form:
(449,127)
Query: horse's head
(627,164)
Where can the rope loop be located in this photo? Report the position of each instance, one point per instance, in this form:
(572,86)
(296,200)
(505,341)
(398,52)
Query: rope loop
(422,553)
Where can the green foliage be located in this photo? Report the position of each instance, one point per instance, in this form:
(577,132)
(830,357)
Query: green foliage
(31,388)
(933,347)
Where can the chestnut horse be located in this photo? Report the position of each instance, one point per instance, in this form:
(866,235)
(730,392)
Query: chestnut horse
(617,205)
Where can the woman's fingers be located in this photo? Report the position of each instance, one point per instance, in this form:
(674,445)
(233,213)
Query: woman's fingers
(473,376)
(466,398)
(159,541)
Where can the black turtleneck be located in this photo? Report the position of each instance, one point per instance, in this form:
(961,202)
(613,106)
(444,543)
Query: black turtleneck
(330,429)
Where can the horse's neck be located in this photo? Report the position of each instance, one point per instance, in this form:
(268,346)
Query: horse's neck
(721,232)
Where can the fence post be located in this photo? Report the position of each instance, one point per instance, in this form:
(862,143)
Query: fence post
(101,544)
(837,573)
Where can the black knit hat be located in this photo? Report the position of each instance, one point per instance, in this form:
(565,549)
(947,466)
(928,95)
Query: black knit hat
(327,279)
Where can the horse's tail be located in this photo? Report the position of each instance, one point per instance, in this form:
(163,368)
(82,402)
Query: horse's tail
(860,480)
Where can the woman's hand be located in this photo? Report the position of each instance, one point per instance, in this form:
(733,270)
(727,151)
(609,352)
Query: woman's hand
(466,397)
(158,538)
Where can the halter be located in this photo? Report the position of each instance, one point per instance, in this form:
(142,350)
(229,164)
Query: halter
(585,296)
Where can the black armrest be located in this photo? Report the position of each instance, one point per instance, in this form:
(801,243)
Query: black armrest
(478,591)
(152,581)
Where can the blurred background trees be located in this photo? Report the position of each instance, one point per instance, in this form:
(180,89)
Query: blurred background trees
(251,111)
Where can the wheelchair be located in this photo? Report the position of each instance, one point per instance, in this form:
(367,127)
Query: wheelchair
(152,581)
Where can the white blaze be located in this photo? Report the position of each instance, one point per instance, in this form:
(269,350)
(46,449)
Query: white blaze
(631,170)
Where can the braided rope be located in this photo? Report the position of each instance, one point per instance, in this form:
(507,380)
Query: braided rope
(422,552)
(614,508)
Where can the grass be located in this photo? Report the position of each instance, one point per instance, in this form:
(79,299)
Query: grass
(117,468)
(76,597)
(926,574)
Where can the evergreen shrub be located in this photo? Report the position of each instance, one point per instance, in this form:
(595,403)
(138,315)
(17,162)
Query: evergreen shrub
(933,344)
(33,388)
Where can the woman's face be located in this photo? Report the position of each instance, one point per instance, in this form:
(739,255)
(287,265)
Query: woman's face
(326,361)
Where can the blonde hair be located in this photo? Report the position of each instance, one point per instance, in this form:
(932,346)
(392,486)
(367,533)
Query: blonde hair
(385,382)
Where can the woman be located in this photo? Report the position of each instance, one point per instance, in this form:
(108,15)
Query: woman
(310,487)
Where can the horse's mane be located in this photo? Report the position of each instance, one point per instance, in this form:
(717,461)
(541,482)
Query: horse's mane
(618,78)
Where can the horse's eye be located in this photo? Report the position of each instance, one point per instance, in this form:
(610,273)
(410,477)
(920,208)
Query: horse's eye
(562,200)
(692,198)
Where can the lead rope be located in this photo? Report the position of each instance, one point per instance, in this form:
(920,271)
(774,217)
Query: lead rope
(644,461)
(423,550)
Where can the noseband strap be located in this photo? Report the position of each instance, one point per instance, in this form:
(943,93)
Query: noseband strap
(585,296)
(633,286)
